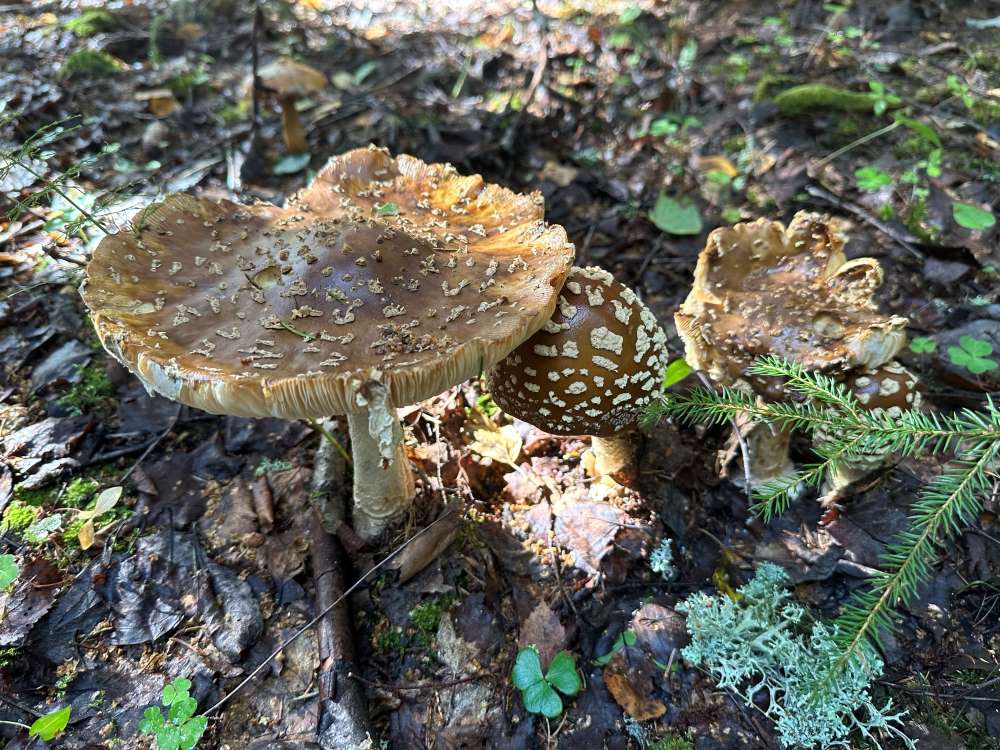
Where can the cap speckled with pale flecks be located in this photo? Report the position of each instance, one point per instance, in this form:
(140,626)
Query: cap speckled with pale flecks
(592,369)
(383,269)
(761,289)
(891,387)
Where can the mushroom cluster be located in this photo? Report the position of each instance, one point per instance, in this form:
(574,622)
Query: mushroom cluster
(383,283)
(592,369)
(760,288)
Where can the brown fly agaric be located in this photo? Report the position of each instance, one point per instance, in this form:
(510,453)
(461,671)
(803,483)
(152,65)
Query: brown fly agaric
(383,283)
(760,289)
(591,370)
(286,81)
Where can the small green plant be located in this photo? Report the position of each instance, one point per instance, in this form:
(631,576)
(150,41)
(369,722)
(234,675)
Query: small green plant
(871,178)
(425,618)
(9,570)
(961,90)
(180,729)
(538,690)
(626,638)
(387,209)
(942,508)
(676,215)
(922,345)
(760,645)
(972,217)
(49,726)
(972,354)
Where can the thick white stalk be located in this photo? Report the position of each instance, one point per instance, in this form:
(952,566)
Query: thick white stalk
(383,484)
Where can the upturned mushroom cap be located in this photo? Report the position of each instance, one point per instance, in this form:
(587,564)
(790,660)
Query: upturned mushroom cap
(762,289)
(388,270)
(592,369)
(285,77)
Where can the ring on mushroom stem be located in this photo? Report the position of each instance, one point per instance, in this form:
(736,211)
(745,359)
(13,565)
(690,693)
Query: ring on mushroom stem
(383,283)
(591,370)
(288,80)
(759,289)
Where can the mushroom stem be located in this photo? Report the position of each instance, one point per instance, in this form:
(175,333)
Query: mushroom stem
(769,459)
(383,485)
(613,456)
(291,127)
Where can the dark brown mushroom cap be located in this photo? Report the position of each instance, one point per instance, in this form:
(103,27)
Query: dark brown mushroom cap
(592,369)
(761,289)
(382,269)
(889,387)
(285,77)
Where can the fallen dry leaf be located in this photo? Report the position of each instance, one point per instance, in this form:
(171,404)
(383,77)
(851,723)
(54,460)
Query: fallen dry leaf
(629,679)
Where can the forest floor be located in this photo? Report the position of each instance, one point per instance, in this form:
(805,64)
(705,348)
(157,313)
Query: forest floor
(608,109)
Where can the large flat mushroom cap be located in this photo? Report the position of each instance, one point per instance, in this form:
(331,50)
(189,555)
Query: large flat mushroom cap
(760,288)
(382,269)
(286,77)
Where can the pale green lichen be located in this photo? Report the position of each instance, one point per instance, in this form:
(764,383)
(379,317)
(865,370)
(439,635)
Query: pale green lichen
(759,644)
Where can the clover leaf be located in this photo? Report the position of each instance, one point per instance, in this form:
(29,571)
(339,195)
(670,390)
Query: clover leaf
(538,691)
(872,178)
(973,355)
(922,345)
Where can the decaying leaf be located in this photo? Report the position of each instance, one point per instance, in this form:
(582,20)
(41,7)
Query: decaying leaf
(502,445)
(629,679)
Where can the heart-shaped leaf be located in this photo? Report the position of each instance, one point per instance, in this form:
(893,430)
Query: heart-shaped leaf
(527,668)
(540,698)
(562,674)
(675,217)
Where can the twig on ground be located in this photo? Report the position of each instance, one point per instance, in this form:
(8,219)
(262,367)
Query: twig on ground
(343,715)
(294,636)
(155,442)
(905,240)
(744,448)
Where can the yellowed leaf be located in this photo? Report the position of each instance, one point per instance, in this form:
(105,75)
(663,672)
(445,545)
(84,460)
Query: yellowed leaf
(717,162)
(502,445)
(86,534)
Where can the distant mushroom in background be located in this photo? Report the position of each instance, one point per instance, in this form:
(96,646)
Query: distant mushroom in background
(759,289)
(592,369)
(287,81)
(383,283)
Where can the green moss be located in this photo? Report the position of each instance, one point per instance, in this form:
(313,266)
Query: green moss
(768,82)
(90,62)
(931,94)
(820,97)
(91,390)
(35,498)
(984,59)
(69,534)
(90,23)
(79,492)
(913,146)
(18,516)
(425,618)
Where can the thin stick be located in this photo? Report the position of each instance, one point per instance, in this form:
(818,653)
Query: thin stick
(744,449)
(284,644)
(49,185)
(155,442)
(258,21)
(859,142)
(904,241)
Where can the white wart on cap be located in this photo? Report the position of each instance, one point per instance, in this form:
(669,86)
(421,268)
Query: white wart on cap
(594,366)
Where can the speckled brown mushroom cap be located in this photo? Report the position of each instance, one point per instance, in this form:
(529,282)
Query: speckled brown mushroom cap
(593,367)
(382,269)
(890,387)
(762,289)
(286,77)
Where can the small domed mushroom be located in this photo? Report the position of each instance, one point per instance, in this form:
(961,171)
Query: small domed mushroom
(591,370)
(383,283)
(287,80)
(760,288)
(889,389)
